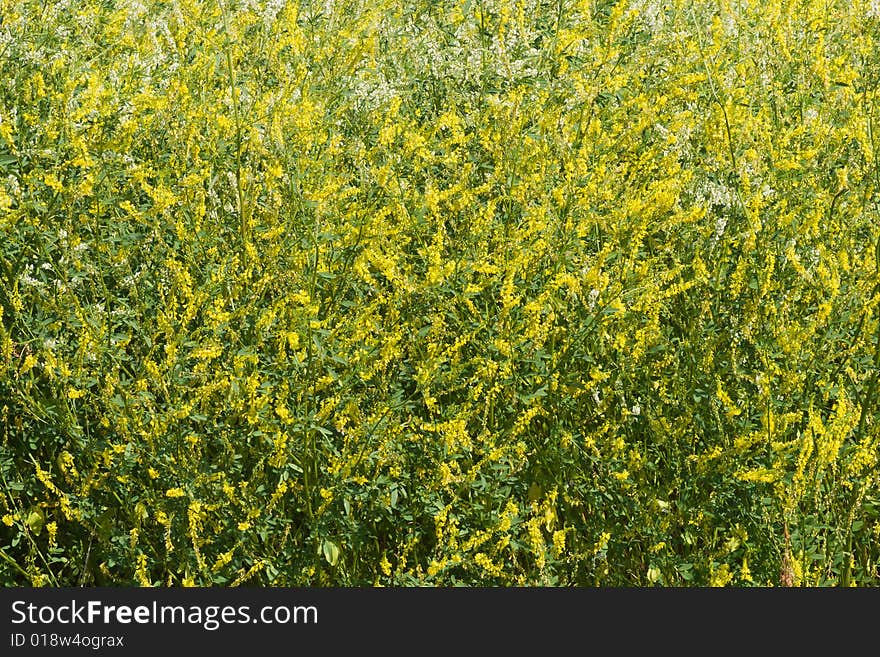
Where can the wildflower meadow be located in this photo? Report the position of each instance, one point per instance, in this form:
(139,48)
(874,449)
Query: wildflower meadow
(439,292)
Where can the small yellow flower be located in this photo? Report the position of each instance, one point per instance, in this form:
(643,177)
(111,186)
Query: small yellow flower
(385,565)
(141,573)
(558,542)
(223,559)
(721,576)
(29,361)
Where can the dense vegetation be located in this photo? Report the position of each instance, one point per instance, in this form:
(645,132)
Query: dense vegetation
(481,292)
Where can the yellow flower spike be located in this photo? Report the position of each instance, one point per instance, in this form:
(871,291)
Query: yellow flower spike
(385,567)
(141,573)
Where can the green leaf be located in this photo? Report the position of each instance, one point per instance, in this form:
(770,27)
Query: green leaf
(686,571)
(35,520)
(535,493)
(331,552)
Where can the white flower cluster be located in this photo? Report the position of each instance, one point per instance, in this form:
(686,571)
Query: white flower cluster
(25,279)
(271,11)
(652,14)
(716,194)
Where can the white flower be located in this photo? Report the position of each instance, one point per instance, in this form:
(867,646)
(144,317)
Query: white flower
(270,13)
(25,279)
(651,14)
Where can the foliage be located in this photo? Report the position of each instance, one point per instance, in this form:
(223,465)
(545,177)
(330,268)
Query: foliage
(493,292)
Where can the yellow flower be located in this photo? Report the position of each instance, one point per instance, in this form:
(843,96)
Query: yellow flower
(558,542)
(745,574)
(223,559)
(720,576)
(141,573)
(29,361)
(385,566)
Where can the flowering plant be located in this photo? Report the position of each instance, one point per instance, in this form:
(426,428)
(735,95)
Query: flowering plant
(494,292)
